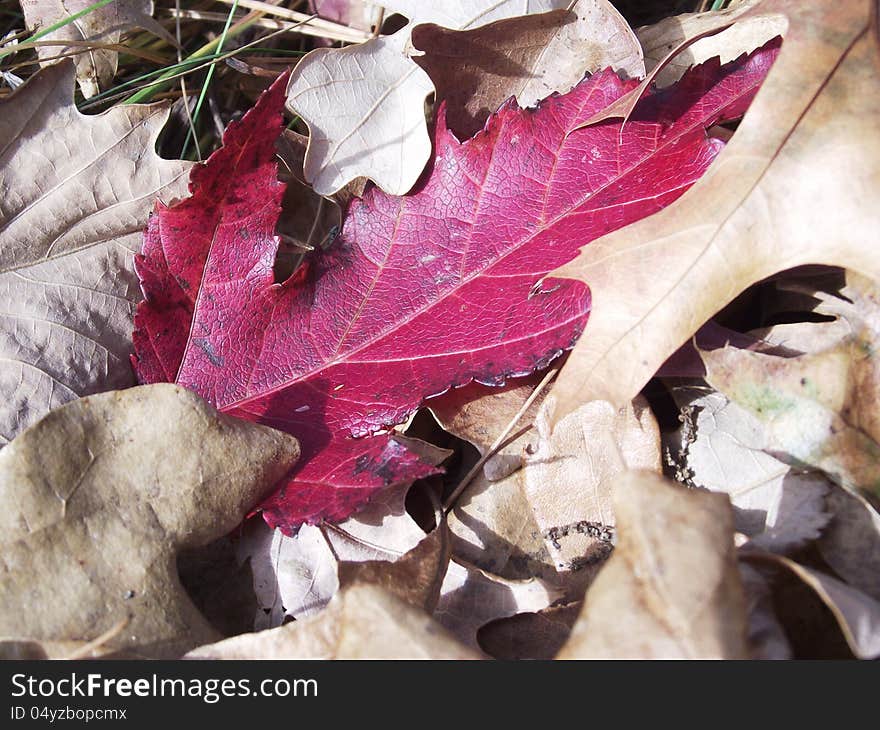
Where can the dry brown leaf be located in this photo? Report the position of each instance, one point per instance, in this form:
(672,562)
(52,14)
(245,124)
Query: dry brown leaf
(77,193)
(95,65)
(416,577)
(798,183)
(660,39)
(569,479)
(671,589)
(469,14)
(362,621)
(857,614)
(99,496)
(767,638)
(553,518)
(851,542)
(493,527)
(528,57)
(529,635)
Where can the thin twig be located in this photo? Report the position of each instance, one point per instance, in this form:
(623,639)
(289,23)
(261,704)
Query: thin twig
(501,441)
(312,25)
(86,649)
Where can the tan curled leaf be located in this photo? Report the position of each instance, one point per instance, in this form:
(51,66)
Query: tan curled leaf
(570,478)
(857,614)
(671,589)
(851,542)
(77,193)
(363,621)
(798,183)
(95,63)
(99,496)
(553,518)
(660,39)
(376,92)
(528,57)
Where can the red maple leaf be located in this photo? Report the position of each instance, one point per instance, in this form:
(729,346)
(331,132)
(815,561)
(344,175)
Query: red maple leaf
(419,293)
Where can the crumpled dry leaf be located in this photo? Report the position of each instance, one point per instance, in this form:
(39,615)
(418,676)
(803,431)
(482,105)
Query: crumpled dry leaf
(362,621)
(98,497)
(553,518)
(528,57)
(819,408)
(379,129)
(857,614)
(471,598)
(297,576)
(660,39)
(416,577)
(655,282)
(77,193)
(719,448)
(851,542)
(95,66)
(671,589)
(569,479)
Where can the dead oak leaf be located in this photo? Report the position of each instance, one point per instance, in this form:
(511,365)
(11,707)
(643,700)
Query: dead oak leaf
(798,183)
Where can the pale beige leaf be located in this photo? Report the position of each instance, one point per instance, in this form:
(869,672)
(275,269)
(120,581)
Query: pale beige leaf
(811,407)
(362,622)
(375,94)
(98,497)
(719,448)
(364,106)
(660,39)
(671,589)
(528,57)
(798,183)
(471,598)
(77,194)
(95,66)
(569,479)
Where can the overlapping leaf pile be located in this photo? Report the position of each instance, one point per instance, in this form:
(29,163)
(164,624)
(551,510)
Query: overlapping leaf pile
(687,482)
(419,293)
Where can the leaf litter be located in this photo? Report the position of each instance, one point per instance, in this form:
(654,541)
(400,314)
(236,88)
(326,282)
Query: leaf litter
(514,516)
